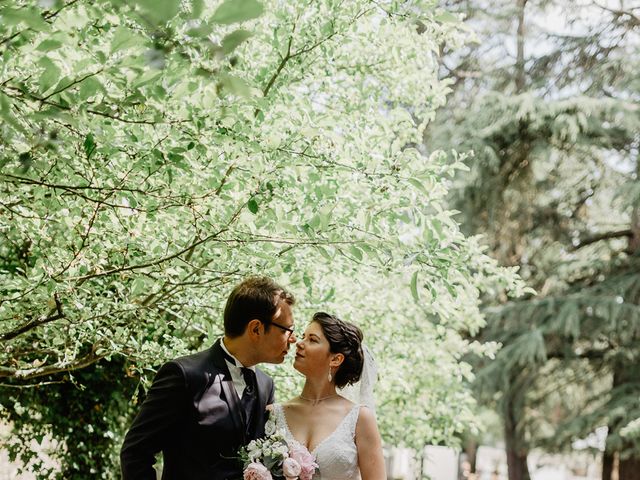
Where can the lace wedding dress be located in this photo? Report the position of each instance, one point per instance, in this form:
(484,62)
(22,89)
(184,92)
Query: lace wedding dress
(336,455)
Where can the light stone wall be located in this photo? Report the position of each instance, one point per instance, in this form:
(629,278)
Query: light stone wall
(438,463)
(9,470)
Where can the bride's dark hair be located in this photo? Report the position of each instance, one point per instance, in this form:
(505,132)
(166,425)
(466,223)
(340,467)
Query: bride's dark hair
(344,338)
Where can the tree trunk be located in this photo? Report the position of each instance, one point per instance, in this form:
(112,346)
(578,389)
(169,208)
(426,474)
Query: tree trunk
(469,455)
(520,72)
(614,466)
(516,453)
(607,465)
(634,240)
(472,453)
(629,469)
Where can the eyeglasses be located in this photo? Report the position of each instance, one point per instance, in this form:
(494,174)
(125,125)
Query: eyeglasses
(286,329)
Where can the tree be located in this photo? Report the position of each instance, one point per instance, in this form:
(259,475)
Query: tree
(153,153)
(552,117)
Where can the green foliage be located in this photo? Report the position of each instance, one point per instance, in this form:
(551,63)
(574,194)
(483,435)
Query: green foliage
(527,150)
(88,408)
(153,153)
(552,187)
(233,11)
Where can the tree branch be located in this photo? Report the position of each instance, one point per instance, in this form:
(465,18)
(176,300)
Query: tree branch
(288,56)
(224,179)
(283,62)
(588,193)
(603,236)
(30,373)
(85,237)
(158,261)
(75,190)
(520,61)
(72,84)
(55,314)
(587,355)
(31,181)
(635,20)
(22,94)
(55,13)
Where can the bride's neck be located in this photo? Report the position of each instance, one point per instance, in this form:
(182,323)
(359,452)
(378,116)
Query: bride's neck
(316,390)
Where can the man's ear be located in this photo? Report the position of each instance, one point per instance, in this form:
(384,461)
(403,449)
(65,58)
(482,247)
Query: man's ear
(255,328)
(336,360)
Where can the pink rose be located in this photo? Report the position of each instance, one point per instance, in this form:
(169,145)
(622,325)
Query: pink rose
(291,469)
(256,471)
(308,464)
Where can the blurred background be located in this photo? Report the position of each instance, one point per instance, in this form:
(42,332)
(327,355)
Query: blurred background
(459,178)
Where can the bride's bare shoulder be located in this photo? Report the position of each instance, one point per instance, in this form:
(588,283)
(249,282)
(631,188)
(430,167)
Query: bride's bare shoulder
(346,402)
(367,425)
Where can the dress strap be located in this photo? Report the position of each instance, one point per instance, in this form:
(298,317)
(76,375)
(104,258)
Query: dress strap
(281,420)
(353,419)
(277,410)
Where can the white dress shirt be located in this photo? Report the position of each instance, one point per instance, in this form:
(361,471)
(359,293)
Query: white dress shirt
(234,370)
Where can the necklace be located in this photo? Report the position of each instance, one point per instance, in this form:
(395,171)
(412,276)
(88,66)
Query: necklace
(316,401)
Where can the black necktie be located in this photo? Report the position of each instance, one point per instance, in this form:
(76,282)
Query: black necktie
(249,397)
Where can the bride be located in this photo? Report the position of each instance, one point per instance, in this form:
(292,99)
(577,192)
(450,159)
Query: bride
(342,435)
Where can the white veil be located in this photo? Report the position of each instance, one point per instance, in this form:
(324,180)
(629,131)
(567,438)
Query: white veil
(361,392)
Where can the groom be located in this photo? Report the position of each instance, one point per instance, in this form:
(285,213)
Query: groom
(201,408)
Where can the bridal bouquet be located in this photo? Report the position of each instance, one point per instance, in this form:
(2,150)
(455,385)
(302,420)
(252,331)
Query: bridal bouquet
(272,457)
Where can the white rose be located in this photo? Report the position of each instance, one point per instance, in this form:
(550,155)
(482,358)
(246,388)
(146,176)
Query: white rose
(254,451)
(270,427)
(282,450)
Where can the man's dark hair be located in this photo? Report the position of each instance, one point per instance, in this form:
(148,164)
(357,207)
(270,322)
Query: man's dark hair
(254,298)
(344,338)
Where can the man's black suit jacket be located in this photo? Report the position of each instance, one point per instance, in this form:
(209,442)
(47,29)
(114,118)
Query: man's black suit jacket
(192,414)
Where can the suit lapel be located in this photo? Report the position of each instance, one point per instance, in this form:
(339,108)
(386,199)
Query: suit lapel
(264,389)
(230,394)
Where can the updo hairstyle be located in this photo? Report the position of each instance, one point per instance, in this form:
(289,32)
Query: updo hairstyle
(344,338)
